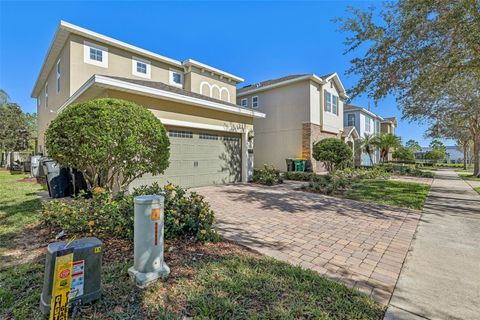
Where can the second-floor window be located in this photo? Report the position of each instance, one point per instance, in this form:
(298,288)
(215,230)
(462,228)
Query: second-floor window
(58,76)
(176,78)
(368,126)
(95,54)
(377,127)
(141,68)
(244,102)
(255,102)
(350,120)
(331,103)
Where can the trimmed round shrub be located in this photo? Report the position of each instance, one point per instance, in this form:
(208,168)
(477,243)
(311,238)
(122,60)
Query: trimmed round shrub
(111,141)
(334,153)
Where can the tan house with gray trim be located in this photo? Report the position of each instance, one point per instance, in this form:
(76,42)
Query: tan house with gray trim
(211,136)
(301,110)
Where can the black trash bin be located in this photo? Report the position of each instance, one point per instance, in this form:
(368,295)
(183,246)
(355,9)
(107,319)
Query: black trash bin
(290,164)
(78,182)
(58,180)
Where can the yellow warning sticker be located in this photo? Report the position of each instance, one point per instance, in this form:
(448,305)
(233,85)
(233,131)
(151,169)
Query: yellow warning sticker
(61,287)
(97,249)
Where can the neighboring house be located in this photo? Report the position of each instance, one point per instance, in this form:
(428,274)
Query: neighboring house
(302,109)
(211,136)
(364,121)
(368,122)
(388,125)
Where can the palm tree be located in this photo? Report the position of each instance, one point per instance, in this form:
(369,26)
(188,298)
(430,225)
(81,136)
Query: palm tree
(385,142)
(368,144)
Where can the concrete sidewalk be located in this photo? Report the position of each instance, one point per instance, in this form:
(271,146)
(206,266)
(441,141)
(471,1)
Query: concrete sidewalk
(441,276)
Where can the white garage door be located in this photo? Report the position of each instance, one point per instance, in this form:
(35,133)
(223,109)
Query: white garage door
(200,158)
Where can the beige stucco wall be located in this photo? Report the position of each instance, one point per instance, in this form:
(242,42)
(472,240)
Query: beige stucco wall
(210,85)
(332,123)
(175,111)
(45,114)
(279,135)
(119,65)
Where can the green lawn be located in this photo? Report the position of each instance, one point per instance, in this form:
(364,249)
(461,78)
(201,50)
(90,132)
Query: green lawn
(387,192)
(19,206)
(212,281)
(477,189)
(469,176)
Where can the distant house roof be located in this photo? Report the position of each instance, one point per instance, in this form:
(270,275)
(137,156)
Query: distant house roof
(272,83)
(347,131)
(350,107)
(159,90)
(390,120)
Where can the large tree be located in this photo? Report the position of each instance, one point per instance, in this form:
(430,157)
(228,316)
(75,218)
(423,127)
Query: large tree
(420,51)
(14,129)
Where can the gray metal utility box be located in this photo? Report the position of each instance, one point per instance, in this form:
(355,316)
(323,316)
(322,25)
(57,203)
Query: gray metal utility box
(86,271)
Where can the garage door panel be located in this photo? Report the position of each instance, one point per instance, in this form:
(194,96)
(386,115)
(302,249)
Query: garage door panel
(200,157)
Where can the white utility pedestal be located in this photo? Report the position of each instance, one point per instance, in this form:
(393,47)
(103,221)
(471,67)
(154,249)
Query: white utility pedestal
(148,263)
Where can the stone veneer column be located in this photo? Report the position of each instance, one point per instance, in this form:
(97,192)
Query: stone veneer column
(312,133)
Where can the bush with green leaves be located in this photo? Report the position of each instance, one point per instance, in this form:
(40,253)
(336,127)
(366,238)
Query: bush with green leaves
(104,215)
(403,154)
(111,141)
(376,172)
(297,175)
(334,153)
(268,175)
(327,184)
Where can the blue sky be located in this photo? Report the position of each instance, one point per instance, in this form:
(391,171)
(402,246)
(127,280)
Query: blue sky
(254,40)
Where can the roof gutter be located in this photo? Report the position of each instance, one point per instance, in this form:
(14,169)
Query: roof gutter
(311,77)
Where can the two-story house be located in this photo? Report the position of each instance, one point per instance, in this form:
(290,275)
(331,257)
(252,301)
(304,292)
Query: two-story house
(210,135)
(301,110)
(367,122)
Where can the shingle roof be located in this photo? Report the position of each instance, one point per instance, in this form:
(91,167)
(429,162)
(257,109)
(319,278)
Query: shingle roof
(270,82)
(347,131)
(166,87)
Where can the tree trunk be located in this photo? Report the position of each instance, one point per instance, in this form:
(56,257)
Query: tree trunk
(476,154)
(465,147)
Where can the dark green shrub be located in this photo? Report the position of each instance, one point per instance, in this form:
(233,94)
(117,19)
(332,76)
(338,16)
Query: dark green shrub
(268,175)
(186,214)
(297,175)
(363,173)
(111,141)
(327,184)
(334,153)
(103,215)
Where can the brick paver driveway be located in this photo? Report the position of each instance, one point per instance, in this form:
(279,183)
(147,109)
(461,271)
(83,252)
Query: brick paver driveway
(361,245)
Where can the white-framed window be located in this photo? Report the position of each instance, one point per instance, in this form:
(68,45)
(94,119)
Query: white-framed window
(176,78)
(207,136)
(180,134)
(377,126)
(255,102)
(328,101)
(334,104)
(58,76)
(350,120)
(141,68)
(95,54)
(331,102)
(368,126)
(46,95)
(244,102)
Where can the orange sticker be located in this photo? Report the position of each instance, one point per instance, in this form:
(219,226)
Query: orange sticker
(156,214)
